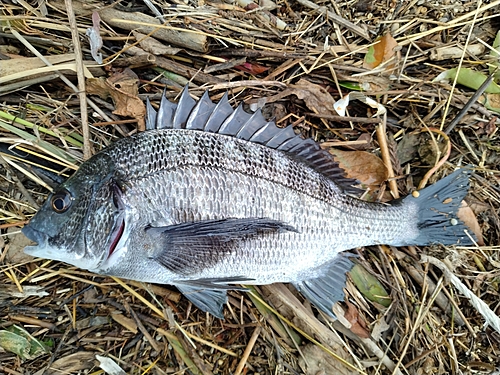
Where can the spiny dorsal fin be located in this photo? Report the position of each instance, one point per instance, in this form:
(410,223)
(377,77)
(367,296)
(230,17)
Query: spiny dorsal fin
(204,115)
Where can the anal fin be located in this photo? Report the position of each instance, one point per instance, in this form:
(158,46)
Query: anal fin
(327,289)
(209,300)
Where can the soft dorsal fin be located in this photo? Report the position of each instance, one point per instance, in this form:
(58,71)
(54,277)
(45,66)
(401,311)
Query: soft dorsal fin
(204,115)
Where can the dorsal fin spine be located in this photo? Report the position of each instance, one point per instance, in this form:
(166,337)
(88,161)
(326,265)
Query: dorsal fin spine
(165,113)
(150,116)
(204,115)
(184,108)
(221,111)
(200,113)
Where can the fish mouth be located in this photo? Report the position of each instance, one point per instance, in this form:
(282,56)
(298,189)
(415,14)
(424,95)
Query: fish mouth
(36,236)
(116,237)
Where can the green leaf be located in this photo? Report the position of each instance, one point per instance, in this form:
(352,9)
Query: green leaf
(495,53)
(271,318)
(181,80)
(63,155)
(351,85)
(370,58)
(18,341)
(468,78)
(181,352)
(369,286)
(41,129)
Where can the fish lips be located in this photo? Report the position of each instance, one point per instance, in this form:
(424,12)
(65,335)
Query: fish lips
(44,250)
(36,236)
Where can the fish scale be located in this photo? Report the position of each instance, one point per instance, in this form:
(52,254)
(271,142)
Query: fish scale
(209,197)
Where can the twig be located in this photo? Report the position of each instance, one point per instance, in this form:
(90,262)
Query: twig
(448,103)
(359,120)
(386,156)
(141,327)
(87,153)
(248,83)
(171,66)
(19,184)
(470,102)
(489,316)
(441,161)
(328,340)
(59,74)
(248,350)
(421,278)
(422,312)
(339,20)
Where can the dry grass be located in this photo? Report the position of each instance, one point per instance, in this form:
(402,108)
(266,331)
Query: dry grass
(429,326)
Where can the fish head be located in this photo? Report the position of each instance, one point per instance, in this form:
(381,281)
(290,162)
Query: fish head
(82,220)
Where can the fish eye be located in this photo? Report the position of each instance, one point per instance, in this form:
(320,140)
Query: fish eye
(61,201)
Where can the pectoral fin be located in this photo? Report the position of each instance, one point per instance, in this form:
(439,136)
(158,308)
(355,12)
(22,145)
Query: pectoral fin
(189,248)
(326,290)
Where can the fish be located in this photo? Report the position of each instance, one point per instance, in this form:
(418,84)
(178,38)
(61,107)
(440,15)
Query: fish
(209,198)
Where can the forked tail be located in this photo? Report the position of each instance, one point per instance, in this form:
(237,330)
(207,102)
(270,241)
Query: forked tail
(437,207)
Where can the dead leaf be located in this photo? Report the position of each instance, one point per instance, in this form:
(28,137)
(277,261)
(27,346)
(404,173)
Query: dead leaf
(252,68)
(381,52)
(358,325)
(125,322)
(363,166)
(408,147)
(491,101)
(153,46)
(491,128)
(317,99)
(379,328)
(466,214)
(477,206)
(109,366)
(124,90)
(73,363)
(95,39)
(228,64)
(315,361)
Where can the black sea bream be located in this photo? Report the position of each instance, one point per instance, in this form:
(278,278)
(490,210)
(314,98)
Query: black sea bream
(208,197)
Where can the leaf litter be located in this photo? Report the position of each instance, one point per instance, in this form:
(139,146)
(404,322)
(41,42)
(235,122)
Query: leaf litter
(295,60)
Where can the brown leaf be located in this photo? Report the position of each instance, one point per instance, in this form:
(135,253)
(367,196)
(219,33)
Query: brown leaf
(317,99)
(124,90)
(466,214)
(381,52)
(73,363)
(97,86)
(358,325)
(252,68)
(363,166)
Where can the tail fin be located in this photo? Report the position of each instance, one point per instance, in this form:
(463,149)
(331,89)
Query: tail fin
(437,207)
